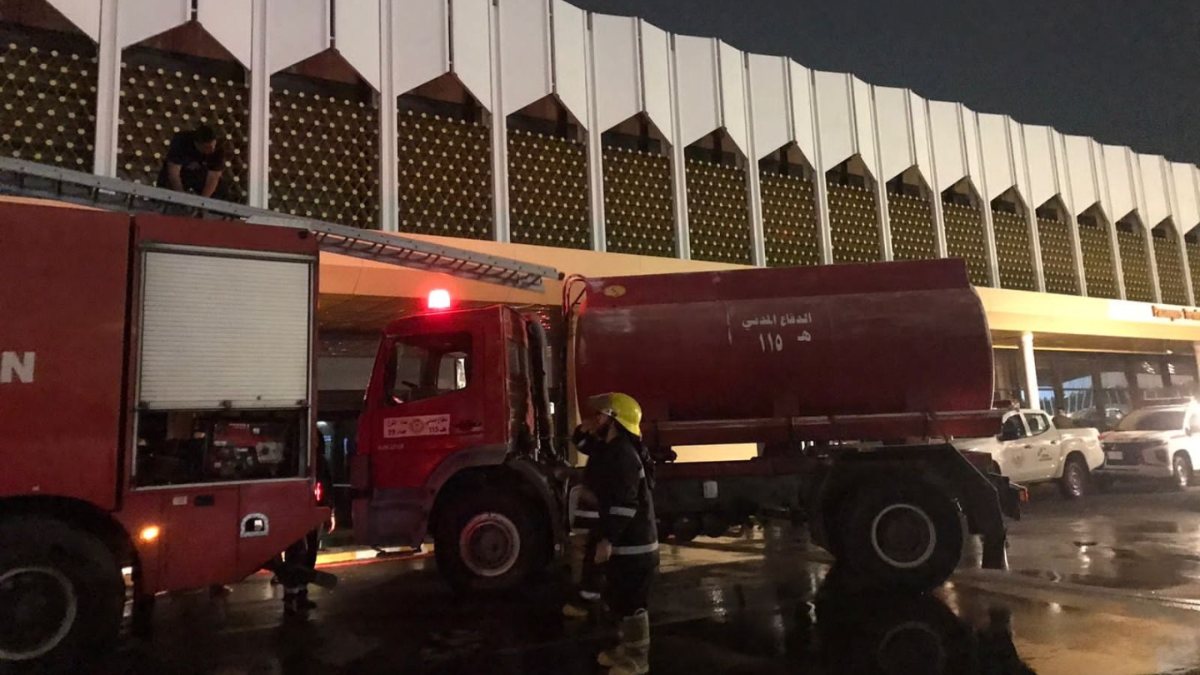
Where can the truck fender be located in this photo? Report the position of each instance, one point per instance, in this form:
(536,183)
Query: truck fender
(553,501)
(940,466)
(400,516)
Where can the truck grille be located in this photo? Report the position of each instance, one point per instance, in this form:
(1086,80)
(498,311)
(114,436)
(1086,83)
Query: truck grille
(1125,454)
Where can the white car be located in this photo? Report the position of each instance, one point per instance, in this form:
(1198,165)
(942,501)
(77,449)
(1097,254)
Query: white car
(1161,442)
(1030,449)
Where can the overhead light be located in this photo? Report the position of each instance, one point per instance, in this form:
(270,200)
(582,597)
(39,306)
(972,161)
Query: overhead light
(150,533)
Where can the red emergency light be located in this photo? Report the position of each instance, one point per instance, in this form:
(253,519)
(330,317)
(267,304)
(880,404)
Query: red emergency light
(438,299)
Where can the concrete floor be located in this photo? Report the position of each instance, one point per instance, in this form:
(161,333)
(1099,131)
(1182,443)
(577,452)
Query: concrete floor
(1109,585)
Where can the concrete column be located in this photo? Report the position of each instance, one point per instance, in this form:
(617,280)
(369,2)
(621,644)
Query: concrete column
(388,129)
(820,186)
(758,247)
(502,226)
(595,148)
(108,91)
(1031,381)
(683,241)
(260,109)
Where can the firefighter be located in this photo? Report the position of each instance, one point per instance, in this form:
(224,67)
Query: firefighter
(586,515)
(621,475)
(303,553)
(194,163)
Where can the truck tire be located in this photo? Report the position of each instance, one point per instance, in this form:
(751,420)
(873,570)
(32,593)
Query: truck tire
(490,541)
(1181,471)
(61,596)
(1076,481)
(908,536)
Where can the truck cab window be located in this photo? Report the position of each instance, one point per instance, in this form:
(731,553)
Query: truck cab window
(188,447)
(1013,429)
(1038,424)
(425,366)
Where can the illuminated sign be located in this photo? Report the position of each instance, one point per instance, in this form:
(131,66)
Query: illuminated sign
(1175,313)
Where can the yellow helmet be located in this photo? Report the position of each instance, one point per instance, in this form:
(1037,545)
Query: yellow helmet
(622,408)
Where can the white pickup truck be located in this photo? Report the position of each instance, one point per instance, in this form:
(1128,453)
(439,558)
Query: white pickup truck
(1030,449)
(1160,442)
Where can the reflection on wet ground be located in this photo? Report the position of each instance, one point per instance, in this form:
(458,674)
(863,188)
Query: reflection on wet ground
(1100,591)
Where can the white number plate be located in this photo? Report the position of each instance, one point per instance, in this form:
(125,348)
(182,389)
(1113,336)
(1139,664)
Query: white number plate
(1114,455)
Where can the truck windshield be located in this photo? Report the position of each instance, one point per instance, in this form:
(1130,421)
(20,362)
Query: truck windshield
(1153,420)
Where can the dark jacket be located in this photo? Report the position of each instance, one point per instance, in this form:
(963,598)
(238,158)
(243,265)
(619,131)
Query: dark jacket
(616,475)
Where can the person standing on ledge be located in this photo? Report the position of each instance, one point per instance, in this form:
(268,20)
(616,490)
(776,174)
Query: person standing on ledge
(194,164)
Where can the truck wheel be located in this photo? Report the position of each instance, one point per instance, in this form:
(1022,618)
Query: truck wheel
(1181,471)
(686,528)
(61,595)
(490,541)
(1076,480)
(908,536)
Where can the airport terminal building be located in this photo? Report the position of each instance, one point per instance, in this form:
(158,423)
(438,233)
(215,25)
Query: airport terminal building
(604,145)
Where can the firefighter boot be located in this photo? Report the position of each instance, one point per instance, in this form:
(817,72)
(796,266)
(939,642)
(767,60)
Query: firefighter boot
(296,602)
(632,655)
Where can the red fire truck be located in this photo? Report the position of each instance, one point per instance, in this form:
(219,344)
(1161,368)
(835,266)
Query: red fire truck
(850,378)
(156,389)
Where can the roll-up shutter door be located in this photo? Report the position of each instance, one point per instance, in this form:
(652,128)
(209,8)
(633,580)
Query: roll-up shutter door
(224,332)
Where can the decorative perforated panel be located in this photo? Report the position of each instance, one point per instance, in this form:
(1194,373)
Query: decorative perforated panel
(789,220)
(913,237)
(324,157)
(718,214)
(1097,260)
(162,95)
(548,191)
(1013,252)
(1169,259)
(48,99)
(853,224)
(637,203)
(1134,264)
(444,176)
(1192,245)
(1057,264)
(965,239)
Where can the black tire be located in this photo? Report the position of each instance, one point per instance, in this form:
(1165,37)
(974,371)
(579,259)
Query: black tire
(1076,481)
(1181,471)
(61,596)
(902,535)
(686,528)
(490,541)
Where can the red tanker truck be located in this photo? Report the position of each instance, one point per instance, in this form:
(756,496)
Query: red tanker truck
(850,378)
(156,388)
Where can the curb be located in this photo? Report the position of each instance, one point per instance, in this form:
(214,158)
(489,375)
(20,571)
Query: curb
(339,556)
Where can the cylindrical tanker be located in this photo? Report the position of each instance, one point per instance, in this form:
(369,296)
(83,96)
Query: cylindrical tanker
(838,340)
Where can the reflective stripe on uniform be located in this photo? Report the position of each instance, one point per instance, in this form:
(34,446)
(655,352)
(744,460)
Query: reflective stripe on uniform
(587,514)
(635,550)
(622,511)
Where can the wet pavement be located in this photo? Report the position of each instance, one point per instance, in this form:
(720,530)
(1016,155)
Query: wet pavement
(1110,585)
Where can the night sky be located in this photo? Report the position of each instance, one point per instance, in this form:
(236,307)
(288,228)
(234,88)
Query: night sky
(1123,72)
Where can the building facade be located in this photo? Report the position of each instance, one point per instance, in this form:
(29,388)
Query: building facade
(603,144)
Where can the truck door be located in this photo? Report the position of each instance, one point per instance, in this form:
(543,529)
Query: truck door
(1046,450)
(432,407)
(1015,448)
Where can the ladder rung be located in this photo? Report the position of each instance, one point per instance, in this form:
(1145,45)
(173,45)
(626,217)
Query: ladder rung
(25,178)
